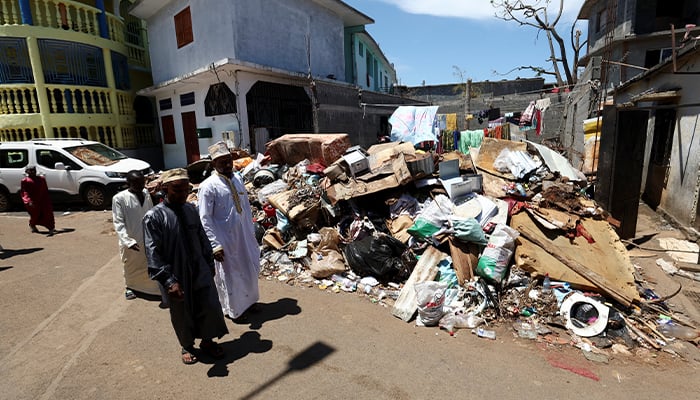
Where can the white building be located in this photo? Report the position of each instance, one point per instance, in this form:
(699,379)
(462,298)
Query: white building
(254,70)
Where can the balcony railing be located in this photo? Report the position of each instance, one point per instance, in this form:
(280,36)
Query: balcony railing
(18,99)
(138,56)
(78,99)
(138,135)
(64,99)
(18,134)
(133,136)
(9,12)
(66,14)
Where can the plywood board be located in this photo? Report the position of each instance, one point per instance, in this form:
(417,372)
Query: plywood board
(489,151)
(607,257)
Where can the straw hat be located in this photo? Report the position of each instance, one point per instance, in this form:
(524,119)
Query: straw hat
(175,174)
(218,149)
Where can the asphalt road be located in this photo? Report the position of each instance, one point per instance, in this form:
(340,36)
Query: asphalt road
(68,333)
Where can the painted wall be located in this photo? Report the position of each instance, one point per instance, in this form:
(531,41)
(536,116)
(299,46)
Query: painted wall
(212,33)
(274,33)
(270,32)
(363,47)
(174,154)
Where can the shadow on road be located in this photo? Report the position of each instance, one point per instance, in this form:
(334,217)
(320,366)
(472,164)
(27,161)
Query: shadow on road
(310,356)
(7,253)
(271,311)
(5,268)
(249,342)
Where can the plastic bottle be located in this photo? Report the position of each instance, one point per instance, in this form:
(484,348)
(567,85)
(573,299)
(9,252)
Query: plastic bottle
(678,331)
(485,333)
(546,285)
(377,291)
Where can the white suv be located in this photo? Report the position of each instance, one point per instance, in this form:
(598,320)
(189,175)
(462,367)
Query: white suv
(73,168)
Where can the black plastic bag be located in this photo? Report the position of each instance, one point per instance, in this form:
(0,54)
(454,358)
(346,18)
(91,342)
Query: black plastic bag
(379,257)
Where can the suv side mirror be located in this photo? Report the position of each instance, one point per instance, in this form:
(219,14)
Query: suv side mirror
(60,166)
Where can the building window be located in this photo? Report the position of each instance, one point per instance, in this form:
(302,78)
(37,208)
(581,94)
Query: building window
(168,124)
(601,20)
(15,66)
(120,69)
(165,104)
(69,63)
(361,49)
(187,99)
(653,57)
(183,27)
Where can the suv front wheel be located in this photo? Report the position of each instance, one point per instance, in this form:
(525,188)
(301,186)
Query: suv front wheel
(4,200)
(95,196)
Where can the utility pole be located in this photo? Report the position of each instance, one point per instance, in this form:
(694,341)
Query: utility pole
(468,102)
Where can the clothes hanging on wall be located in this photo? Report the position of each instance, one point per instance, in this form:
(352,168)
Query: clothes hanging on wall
(469,139)
(451,122)
(526,117)
(542,105)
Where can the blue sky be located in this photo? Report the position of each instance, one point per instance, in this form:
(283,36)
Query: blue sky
(426,38)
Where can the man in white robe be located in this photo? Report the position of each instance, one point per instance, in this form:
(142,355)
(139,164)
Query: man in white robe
(128,208)
(227,219)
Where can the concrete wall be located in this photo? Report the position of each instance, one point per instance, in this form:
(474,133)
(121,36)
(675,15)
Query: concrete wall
(270,32)
(341,112)
(508,96)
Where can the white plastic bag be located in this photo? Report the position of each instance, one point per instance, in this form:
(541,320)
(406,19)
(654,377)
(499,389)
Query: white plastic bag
(493,263)
(431,298)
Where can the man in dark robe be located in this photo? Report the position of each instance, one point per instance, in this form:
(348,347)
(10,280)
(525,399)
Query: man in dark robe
(180,258)
(35,196)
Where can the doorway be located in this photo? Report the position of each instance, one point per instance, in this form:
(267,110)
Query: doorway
(620,165)
(660,157)
(189,129)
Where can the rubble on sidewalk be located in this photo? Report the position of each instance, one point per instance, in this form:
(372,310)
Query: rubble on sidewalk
(383,224)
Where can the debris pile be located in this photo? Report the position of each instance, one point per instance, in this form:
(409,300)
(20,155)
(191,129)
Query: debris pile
(504,236)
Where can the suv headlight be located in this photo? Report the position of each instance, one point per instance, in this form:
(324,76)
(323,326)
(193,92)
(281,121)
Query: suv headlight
(112,174)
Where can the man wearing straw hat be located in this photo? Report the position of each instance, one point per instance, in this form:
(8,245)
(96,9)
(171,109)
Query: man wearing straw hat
(226,216)
(180,258)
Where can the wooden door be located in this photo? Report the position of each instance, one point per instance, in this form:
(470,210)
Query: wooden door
(189,128)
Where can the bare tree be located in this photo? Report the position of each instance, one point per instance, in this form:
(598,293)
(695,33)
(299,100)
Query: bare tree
(534,13)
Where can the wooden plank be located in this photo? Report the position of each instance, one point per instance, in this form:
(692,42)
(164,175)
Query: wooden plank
(426,270)
(464,259)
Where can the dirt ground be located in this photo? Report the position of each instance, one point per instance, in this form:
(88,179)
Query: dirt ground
(68,333)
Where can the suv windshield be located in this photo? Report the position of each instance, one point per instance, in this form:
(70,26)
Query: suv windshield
(96,154)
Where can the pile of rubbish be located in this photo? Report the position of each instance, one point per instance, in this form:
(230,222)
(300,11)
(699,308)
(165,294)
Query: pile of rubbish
(506,235)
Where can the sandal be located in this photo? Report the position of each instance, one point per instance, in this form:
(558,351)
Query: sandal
(212,349)
(188,358)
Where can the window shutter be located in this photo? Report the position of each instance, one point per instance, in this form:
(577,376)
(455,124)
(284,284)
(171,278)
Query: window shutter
(183,28)
(168,124)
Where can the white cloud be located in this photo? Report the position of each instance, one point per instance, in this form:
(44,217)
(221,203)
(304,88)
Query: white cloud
(471,9)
